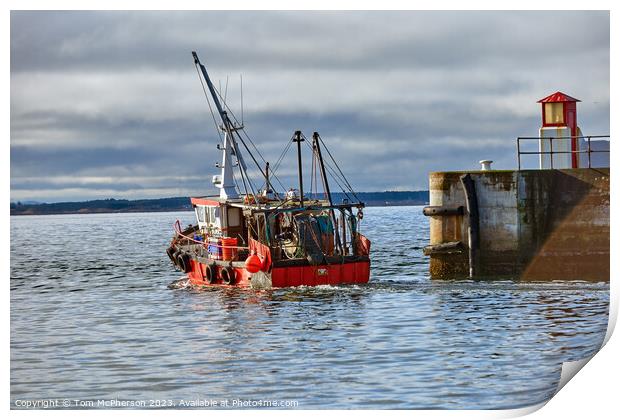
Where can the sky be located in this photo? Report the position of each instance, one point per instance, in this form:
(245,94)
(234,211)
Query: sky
(109,104)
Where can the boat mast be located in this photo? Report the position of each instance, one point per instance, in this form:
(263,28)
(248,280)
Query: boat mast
(317,147)
(268,190)
(298,139)
(315,143)
(226,183)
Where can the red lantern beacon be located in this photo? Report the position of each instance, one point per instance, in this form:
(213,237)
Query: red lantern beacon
(559,132)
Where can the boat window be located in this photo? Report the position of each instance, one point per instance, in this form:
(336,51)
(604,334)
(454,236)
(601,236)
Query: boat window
(200,214)
(234,218)
(210,215)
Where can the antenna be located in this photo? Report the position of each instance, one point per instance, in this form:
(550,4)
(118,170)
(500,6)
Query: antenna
(226,90)
(241,80)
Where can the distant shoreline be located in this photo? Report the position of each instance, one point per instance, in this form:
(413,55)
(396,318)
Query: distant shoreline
(371,199)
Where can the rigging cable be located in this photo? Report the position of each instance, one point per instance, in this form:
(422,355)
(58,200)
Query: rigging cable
(338,167)
(279,161)
(311,177)
(251,142)
(217,129)
(235,149)
(335,177)
(243,172)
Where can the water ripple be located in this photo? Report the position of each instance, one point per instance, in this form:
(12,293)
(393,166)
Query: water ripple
(92,318)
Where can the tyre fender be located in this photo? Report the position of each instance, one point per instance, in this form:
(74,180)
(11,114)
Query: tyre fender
(229,276)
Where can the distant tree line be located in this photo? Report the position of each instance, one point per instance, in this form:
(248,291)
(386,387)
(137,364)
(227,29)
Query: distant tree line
(111,205)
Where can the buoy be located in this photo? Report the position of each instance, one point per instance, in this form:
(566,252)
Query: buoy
(253,263)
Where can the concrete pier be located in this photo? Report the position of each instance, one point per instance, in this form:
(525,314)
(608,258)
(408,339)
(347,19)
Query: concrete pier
(530,224)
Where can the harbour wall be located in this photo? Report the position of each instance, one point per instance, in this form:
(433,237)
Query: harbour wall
(529,225)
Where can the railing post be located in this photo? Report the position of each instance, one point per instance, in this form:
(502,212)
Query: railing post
(519,153)
(551,151)
(541,153)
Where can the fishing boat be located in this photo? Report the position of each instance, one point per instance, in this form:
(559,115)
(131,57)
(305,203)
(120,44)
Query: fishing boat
(252,235)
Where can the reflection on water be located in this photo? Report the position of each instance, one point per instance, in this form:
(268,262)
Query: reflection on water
(92,318)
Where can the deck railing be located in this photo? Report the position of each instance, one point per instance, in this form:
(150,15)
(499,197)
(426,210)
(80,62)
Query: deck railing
(551,152)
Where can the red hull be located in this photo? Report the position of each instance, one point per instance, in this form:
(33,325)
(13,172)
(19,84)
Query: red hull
(346,273)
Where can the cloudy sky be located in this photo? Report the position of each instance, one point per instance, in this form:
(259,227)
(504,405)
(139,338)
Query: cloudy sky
(108,104)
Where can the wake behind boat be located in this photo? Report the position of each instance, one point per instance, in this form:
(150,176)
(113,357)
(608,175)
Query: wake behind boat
(261,238)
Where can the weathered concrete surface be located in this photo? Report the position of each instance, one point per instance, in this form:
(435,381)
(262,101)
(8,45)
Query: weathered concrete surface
(534,224)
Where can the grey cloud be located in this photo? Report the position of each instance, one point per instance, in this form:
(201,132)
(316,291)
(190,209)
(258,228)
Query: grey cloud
(380,40)
(115,94)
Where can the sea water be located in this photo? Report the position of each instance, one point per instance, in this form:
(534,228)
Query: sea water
(92,320)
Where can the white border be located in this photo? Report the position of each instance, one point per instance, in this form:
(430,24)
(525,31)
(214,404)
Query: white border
(592,395)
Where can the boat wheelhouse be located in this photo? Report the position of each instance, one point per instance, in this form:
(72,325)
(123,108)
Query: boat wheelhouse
(251,236)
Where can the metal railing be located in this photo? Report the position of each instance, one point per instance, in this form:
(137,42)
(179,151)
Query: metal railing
(551,152)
